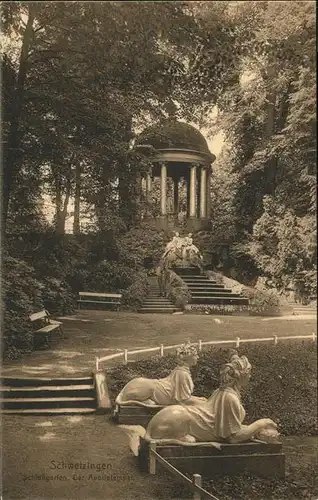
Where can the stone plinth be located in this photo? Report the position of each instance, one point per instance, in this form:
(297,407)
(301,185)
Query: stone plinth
(252,458)
(136,415)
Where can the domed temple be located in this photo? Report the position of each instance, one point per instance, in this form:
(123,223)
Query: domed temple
(183,159)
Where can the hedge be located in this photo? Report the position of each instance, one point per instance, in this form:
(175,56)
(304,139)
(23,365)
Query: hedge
(282,386)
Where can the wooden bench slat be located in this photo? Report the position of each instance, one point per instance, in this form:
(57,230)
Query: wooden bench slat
(93,294)
(98,302)
(54,322)
(99,299)
(47,329)
(39,315)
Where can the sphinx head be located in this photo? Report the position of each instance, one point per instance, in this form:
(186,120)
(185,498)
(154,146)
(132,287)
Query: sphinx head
(235,373)
(187,354)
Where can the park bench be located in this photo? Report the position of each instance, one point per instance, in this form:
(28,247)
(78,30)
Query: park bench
(92,298)
(44,326)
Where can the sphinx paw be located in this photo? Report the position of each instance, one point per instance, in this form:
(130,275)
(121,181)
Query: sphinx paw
(189,439)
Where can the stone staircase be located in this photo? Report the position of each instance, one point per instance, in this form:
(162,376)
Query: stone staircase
(48,396)
(301,310)
(205,291)
(156,304)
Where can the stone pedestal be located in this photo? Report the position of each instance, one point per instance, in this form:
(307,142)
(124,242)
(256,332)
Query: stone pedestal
(136,415)
(253,458)
(161,222)
(195,224)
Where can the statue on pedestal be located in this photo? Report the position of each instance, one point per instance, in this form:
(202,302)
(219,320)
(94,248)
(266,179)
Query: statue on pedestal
(219,419)
(177,388)
(181,250)
(173,245)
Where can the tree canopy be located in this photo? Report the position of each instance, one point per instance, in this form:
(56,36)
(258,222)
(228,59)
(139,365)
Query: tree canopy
(81,79)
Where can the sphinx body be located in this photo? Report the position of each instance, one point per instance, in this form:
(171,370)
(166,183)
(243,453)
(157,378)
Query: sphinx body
(214,420)
(177,387)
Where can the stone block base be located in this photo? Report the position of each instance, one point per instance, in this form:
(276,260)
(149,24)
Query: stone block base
(136,415)
(253,458)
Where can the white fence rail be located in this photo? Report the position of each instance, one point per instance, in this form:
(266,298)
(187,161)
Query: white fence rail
(161,349)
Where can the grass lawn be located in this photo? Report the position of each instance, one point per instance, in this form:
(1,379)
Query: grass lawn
(31,445)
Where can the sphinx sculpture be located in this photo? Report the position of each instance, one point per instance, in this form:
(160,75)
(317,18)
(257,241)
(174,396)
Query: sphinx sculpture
(218,419)
(174,389)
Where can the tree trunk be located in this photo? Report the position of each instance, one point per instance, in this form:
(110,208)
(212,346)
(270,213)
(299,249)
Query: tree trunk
(269,129)
(77,200)
(12,153)
(61,209)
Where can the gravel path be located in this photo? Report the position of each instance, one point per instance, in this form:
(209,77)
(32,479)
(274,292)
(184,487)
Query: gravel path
(40,454)
(98,333)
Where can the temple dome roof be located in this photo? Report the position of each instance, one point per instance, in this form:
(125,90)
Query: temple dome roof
(171,134)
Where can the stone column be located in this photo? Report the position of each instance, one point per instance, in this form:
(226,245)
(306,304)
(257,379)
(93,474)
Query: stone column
(198,191)
(208,192)
(187,183)
(163,189)
(193,185)
(203,193)
(149,188)
(175,196)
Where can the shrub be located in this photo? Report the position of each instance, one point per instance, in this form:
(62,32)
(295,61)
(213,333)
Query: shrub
(136,293)
(282,387)
(262,302)
(155,367)
(57,296)
(177,290)
(220,309)
(141,246)
(21,297)
(109,276)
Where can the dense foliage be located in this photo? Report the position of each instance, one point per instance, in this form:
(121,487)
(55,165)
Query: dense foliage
(21,293)
(136,293)
(282,387)
(71,118)
(53,270)
(177,290)
(268,119)
(284,249)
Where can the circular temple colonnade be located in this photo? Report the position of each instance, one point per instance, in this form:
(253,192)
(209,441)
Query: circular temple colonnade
(182,155)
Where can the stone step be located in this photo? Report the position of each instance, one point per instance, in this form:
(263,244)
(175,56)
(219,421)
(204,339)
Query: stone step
(220,300)
(205,286)
(158,301)
(186,271)
(44,381)
(158,310)
(194,277)
(218,293)
(44,403)
(48,391)
(305,308)
(48,411)
(202,281)
(305,313)
(160,306)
